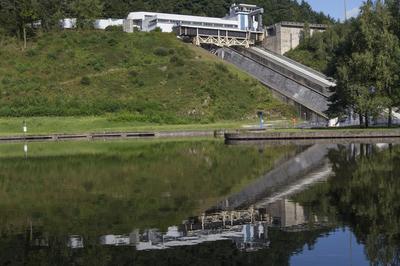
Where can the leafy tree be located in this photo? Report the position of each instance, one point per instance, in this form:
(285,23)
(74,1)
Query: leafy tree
(86,11)
(50,12)
(306,34)
(322,48)
(394,7)
(387,59)
(369,72)
(363,55)
(17,15)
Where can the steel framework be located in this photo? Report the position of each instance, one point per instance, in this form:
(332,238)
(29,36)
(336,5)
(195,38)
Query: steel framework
(222,41)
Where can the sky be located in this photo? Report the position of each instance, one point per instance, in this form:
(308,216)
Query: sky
(335,8)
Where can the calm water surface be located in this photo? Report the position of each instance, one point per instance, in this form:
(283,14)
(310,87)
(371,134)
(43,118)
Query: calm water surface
(199,202)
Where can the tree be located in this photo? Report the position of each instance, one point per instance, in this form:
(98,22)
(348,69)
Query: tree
(27,14)
(306,34)
(50,12)
(366,70)
(86,11)
(18,14)
(387,59)
(394,8)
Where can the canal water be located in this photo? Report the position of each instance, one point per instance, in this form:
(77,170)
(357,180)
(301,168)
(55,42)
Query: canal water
(199,202)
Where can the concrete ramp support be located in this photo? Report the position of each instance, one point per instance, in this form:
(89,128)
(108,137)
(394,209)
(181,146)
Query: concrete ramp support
(294,83)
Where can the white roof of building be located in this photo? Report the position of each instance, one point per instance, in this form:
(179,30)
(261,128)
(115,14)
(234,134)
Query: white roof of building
(141,16)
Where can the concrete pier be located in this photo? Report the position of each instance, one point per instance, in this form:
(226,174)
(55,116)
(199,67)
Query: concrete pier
(313,135)
(112,136)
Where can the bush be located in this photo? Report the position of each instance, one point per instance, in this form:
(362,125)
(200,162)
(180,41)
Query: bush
(70,53)
(96,63)
(171,75)
(133,73)
(222,67)
(176,60)
(85,81)
(157,29)
(127,117)
(52,56)
(6,81)
(140,83)
(115,28)
(161,51)
(31,53)
(112,42)
(21,68)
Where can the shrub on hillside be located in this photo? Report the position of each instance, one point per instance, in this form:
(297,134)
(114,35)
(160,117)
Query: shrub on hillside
(133,73)
(176,60)
(31,52)
(112,42)
(157,29)
(6,81)
(161,51)
(171,75)
(115,28)
(147,61)
(21,67)
(52,56)
(140,83)
(85,81)
(222,67)
(97,63)
(127,117)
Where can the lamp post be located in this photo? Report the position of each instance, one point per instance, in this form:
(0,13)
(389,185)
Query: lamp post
(260,115)
(24,128)
(372,91)
(26,150)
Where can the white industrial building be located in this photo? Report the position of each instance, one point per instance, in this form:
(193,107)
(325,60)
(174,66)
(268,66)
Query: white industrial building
(100,24)
(241,17)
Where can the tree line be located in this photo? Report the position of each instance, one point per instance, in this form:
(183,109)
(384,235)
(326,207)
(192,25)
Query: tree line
(16,15)
(363,54)
(367,64)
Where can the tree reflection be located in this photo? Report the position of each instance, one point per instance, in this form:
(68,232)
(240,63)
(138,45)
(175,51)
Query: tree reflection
(364,195)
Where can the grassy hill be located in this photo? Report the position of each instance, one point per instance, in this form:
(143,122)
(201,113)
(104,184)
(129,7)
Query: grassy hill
(145,77)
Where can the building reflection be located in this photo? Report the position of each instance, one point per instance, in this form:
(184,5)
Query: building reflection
(248,229)
(244,218)
(247,237)
(75,242)
(254,228)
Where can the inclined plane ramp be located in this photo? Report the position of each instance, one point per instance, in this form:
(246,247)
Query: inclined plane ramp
(307,89)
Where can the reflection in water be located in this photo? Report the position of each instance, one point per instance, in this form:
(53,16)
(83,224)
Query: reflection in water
(248,229)
(293,198)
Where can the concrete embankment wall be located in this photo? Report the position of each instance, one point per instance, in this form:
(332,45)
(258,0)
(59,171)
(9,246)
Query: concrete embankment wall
(313,135)
(111,136)
(311,103)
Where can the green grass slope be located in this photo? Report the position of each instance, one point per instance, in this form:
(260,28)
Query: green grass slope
(145,77)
